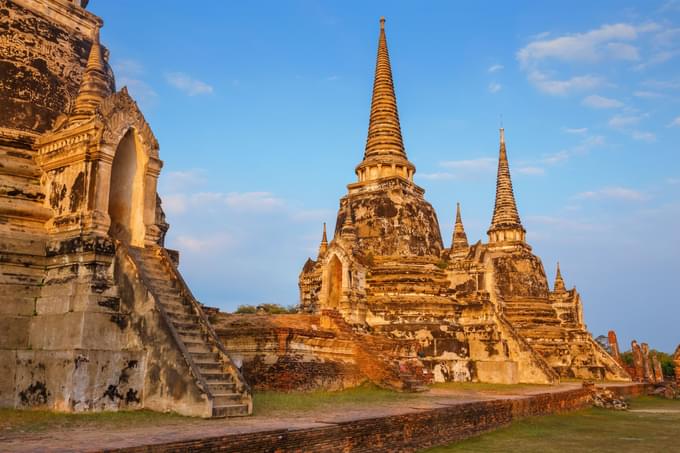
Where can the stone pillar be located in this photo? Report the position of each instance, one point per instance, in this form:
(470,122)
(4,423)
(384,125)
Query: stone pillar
(658,371)
(676,362)
(614,347)
(638,363)
(648,373)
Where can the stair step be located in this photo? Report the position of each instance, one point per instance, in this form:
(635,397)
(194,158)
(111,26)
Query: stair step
(198,348)
(230,410)
(226,398)
(221,386)
(206,367)
(215,375)
(204,356)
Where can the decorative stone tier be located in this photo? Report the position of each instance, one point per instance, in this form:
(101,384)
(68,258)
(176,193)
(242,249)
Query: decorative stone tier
(390,217)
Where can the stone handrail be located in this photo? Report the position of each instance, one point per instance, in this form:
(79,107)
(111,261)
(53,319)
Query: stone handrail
(241,384)
(198,377)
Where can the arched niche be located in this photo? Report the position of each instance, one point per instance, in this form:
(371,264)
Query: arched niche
(333,282)
(126,202)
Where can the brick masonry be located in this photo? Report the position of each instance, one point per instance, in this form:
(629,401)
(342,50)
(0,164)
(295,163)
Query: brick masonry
(400,433)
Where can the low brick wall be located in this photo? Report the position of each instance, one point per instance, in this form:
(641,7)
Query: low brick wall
(401,433)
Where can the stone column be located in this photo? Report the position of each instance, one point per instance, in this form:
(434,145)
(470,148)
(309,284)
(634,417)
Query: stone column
(614,347)
(648,373)
(638,363)
(658,372)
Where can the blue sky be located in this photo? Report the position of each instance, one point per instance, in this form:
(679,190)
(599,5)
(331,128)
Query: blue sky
(261,110)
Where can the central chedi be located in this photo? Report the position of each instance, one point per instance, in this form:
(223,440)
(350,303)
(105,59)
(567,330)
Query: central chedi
(464,313)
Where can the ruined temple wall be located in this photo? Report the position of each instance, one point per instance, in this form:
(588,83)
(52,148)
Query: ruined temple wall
(44,46)
(90,353)
(289,352)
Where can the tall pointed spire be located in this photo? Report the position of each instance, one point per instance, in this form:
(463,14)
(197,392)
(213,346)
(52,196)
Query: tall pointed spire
(459,241)
(94,87)
(323,247)
(384,154)
(505,224)
(559,286)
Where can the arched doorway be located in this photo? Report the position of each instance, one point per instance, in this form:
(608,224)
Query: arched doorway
(334,284)
(126,192)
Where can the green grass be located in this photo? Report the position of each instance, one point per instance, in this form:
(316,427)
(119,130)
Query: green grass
(14,421)
(588,430)
(268,402)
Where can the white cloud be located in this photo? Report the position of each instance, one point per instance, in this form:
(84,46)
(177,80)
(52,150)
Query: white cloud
(175,181)
(495,68)
(592,46)
(584,147)
(644,136)
(188,85)
(646,94)
(479,164)
(533,171)
(673,181)
(577,130)
(614,193)
(623,121)
(563,87)
(179,203)
(462,169)
(675,122)
(662,84)
(600,102)
(609,42)
(210,243)
(564,223)
(494,87)
(128,67)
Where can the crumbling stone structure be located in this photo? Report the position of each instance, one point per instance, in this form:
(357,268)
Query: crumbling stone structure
(658,371)
(94,314)
(482,312)
(676,363)
(614,347)
(638,362)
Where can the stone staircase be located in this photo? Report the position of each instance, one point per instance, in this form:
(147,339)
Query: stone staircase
(207,358)
(378,356)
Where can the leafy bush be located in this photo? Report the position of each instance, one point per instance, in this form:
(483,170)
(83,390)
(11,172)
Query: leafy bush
(270,309)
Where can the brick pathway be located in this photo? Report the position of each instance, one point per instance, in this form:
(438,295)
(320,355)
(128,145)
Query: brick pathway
(88,439)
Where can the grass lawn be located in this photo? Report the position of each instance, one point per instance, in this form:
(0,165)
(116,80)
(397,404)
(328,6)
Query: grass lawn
(266,402)
(656,428)
(14,421)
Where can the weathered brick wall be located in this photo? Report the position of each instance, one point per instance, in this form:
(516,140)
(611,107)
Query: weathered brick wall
(402,433)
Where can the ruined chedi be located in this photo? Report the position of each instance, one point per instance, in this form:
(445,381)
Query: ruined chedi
(482,312)
(94,314)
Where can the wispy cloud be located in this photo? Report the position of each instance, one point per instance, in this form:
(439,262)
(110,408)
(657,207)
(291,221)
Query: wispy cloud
(648,137)
(609,42)
(533,171)
(592,46)
(675,122)
(462,169)
(494,87)
(130,73)
(614,193)
(623,121)
(179,203)
(587,144)
(562,223)
(576,130)
(563,87)
(646,94)
(187,84)
(600,102)
(205,243)
(495,68)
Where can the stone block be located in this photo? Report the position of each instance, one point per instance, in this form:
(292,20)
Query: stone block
(497,372)
(14,332)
